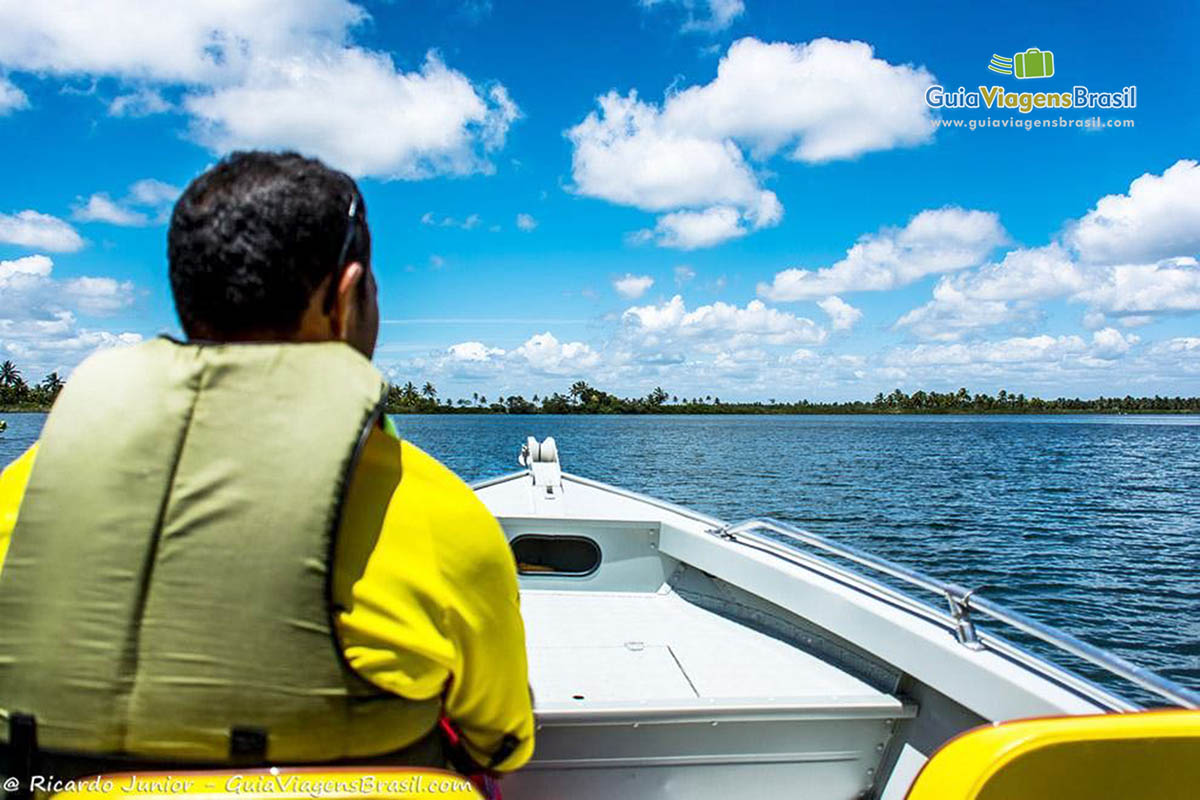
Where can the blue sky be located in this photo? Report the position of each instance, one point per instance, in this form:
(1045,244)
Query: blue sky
(748,199)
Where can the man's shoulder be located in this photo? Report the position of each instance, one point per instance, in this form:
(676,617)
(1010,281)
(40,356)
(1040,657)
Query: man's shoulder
(467,537)
(439,491)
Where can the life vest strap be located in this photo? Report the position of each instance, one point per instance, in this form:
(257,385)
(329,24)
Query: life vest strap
(23,754)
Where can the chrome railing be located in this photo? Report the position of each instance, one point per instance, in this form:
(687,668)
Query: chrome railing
(963,604)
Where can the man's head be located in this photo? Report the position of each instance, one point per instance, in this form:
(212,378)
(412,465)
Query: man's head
(273,247)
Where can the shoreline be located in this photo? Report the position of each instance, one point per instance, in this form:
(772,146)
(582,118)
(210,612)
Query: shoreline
(781,411)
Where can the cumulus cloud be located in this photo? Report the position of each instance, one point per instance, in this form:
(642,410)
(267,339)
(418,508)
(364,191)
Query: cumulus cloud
(689,230)
(526,222)
(546,354)
(1159,217)
(147,201)
(541,354)
(1130,260)
(1105,345)
(842,315)
(690,156)
(983,298)
(470,222)
(632,286)
(38,324)
(102,208)
(11,97)
(256,73)
(1142,290)
(39,231)
(353,108)
(473,351)
(934,241)
(140,103)
(702,16)
(671,322)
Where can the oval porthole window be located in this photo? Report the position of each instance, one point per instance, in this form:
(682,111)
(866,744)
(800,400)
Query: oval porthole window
(574,556)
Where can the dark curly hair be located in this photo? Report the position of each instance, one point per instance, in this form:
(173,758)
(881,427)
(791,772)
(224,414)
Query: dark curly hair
(253,238)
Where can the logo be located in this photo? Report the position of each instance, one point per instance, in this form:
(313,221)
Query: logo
(1033,63)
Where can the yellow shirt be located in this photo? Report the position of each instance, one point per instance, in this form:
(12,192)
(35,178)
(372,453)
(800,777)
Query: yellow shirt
(427,592)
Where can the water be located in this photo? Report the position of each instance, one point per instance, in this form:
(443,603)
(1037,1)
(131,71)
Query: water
(1089,523)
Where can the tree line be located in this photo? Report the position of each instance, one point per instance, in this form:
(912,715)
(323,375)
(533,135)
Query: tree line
(582,398)
(17,395)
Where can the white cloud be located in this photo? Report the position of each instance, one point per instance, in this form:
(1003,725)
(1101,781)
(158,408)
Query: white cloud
(842,315)
(140,103)
(471,222)
(147,201)
(199,42)
(28,290)
(1111,343)
(353,108)
(1181,344)
(688,230)
(11,97)
(626,154)
(704,16)
(257,73)
(39,231)
(152,192)
(1156,226)
(684,274)
(823,100)
(526,222)
(1158,218)
(671,322)
(541,354)
(980,299)
(934,241)
(1106,344)
(632,286)
(38,325)
(1137,290)
(473,351)
(546,354)
(102,208)
(819,101)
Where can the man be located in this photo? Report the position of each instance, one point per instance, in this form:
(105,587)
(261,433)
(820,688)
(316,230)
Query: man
(221,552)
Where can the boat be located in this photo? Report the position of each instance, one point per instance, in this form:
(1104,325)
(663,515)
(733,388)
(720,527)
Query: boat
(676,655)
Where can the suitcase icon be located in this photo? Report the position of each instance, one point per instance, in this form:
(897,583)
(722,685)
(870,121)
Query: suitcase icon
(1033,63)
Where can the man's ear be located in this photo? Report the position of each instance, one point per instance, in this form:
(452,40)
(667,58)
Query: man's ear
(346,306)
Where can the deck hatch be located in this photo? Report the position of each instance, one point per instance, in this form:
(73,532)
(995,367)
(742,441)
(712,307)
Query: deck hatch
(575,556)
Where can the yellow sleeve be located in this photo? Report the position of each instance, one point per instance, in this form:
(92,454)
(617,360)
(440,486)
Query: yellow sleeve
(431,600)
(13,481)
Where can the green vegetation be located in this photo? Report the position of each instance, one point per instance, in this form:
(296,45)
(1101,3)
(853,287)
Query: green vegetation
(17,395)
(584,399)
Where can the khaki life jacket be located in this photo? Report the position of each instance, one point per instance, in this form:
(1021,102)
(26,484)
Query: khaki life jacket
(167,592)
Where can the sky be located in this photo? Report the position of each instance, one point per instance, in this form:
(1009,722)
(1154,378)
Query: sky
(739,198)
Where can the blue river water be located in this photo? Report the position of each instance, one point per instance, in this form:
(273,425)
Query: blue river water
(1089,523)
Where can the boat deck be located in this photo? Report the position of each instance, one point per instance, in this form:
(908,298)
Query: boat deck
(597,651)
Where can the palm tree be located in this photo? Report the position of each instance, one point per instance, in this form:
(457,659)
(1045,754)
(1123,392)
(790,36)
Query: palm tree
(579,390)
(475,397)
(9,374)
(428,390)
(409,393)
(52,383)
